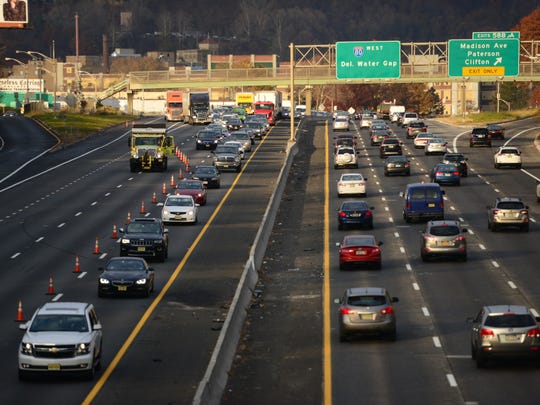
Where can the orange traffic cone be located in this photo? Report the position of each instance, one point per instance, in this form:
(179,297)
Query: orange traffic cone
(164,189)
(172,181)
(77,268)
(180,175)
(20,316)
(187,166)
(50,290)
(96,247)
(128,219)
(142,207)
(114,232)
(154,198)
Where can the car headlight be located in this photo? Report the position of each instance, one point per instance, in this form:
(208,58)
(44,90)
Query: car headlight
(190,212)
(141,281)
(103,280)
(158,241)
(125,241)
(83,348)
(26,348)
(165,212)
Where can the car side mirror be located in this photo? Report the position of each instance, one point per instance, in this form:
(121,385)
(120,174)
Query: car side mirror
(97,326)
(379,243)
(338,244)
(464,230)
(166,230)
(23,326)
(150,269)
(101,268)
(337,301)
(395,299)
(470,319)
(401,194)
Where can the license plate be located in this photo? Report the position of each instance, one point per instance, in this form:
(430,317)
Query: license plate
(141,249)
(431,205)
(178,217)
(356,215)
(480,136)
(511,338)
(205,182)
(367,317)
(225,165)
(398,165)
(447,243)
(447,175)
(122,288)
(361,252)
(53,367)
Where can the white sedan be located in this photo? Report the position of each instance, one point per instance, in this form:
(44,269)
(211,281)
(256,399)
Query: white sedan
(341,122)
(239,145)
(179,208)
(351,184)
(436,145)
(421,139)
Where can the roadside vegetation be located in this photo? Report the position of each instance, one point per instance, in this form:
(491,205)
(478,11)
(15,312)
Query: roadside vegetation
(491,117)
(73,127)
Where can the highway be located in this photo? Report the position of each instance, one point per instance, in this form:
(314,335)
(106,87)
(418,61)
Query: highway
(61,205)
(294,323)
(157,349)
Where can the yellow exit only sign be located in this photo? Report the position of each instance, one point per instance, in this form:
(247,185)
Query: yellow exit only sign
(483,71)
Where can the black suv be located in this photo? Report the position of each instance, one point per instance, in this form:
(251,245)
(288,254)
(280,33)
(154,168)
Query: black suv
(459,160)
(145,237)
(480,136)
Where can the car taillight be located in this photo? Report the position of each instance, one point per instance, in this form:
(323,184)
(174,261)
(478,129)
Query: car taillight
(441,204)
(460,237)
(438,173)
(347,311)
(455,173)
(341,184)
(342,214)
(534,332)
(524,212)
(408,205)
(368,213)
(495,212)
(387,311)
(486,332)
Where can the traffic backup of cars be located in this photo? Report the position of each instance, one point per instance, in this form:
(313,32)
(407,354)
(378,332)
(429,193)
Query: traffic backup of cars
(442,238)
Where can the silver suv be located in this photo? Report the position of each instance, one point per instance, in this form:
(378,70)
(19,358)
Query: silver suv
(509,212)
(504,331)
(443,239)
(61,337)
(367,310)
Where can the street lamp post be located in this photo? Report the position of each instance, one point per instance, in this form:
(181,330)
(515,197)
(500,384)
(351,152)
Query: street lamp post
(25,73)
(53,61)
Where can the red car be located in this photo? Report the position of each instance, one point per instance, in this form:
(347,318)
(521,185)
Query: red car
(194,188)
(359,249)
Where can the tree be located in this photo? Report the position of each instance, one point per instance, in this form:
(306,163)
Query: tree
(529,26)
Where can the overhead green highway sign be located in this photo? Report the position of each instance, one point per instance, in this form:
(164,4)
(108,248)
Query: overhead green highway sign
(483,57)
(496,35)
(368,60)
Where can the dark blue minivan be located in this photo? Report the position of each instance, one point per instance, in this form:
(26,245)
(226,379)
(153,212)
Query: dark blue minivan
(423,202)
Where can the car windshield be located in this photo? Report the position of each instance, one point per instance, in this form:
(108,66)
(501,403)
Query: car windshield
(207,135)
(142,227)
(416,124)
(444,230)
(186,185)
(359,241)
(227,149)
(510,321)
(367,300)
(178,202)
(510,151)
(152,141)
(510,205)
(125,264)
(352,177)
(204,170)
(354,206)
(445,168)
(59,323)
(343,151)
(454,158)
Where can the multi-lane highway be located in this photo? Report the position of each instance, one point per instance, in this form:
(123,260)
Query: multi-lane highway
(157,349)
(57,208)
(294,324)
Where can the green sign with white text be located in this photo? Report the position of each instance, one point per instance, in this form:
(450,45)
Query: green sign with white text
(368,60)
(496,35)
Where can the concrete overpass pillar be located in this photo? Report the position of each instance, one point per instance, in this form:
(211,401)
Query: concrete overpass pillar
(130,102)
(308,99)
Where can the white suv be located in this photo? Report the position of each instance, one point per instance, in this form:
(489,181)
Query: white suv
(61,337)
(507,156)
(409,117)
(345,157)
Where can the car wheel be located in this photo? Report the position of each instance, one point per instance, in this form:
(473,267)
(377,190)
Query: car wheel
(89,374)
(493,228)
(162,257)
(525,227)
(408,173)
(496,166)
(24,375)
(471,145)
(370,226)
(480,359)
(463,257)
(424,257)
(342,337)
(473,352)
(519,167)
(340,227)
(342,266)
(392,335)
(386,174)
(238,169)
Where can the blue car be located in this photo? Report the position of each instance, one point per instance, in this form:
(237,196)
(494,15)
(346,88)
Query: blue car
(355,214)
(446,173)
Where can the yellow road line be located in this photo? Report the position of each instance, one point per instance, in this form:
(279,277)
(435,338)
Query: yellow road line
(327,299)
(136,330)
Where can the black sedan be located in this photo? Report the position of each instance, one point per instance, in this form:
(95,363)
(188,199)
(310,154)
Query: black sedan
(397,165)
(124,276)
(355,214)
(208,174)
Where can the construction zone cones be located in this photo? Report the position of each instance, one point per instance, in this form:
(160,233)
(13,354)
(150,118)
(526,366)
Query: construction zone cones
(20,316)
(180,174)
(143,211)
(164,189)
(114,232)
(128,219)
(77,268)
(154,198)
(172,181)
(50,290)
(96,247)
(187,166)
